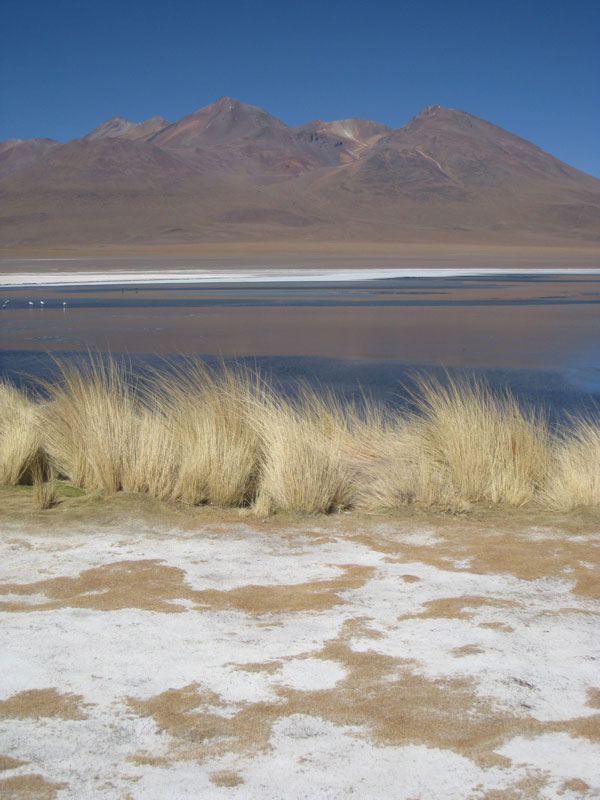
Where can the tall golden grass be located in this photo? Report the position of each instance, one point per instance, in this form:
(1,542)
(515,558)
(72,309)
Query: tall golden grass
(302,467)
(20,435)
(574,475)
(224,436)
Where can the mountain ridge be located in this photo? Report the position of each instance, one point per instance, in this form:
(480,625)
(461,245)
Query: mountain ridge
(230,170)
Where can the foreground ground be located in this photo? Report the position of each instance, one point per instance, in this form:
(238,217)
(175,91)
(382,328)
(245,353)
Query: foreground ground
(158,653)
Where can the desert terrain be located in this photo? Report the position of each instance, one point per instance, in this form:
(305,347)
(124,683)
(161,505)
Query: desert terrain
(419,656)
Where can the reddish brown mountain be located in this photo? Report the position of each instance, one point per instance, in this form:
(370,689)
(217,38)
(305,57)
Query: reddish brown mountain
(233,171)
(449,170)
(16,154)
(229,136)
(121,128)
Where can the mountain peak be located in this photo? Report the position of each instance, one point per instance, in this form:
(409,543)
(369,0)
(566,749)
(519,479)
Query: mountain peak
(230,106)
(430,111)
(224,120)
(121,128)
(158,120)
(439,118)
(110,128)
(441,113)
(226,101)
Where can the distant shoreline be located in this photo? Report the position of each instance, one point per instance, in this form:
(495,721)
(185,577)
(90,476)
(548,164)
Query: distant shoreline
(250,276)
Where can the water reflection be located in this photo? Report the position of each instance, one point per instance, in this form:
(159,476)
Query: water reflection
(538,334)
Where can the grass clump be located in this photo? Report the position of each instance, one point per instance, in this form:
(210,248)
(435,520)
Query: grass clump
(392,469)
(211,415)
(89,423)
(303,469)
(20,435)
(224,437)
(482,447)
(44,490)
(574,477)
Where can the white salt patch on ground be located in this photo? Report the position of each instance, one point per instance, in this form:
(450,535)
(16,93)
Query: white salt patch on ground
(418,538)
(461,563)
(249,558)
(90,755)
(542,669)
(312,758)
(310,674)
(316,759)
(24,599)
(535,534)
(60,648)
(560,756)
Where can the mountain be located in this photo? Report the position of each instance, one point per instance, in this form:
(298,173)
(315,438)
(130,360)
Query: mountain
(236,137)
(121,128)
(233,171)
(15,154)
(448,169)
(217,123)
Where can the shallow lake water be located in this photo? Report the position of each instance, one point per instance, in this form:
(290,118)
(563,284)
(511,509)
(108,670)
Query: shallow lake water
(537,334)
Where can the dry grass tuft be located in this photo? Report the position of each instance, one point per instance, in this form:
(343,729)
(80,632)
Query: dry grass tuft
(20,435)
(303,468)
(210,413)
(574,476)
(482,446)
(150,456)
(225,437)
(89,423)
(44,490)
(391,469)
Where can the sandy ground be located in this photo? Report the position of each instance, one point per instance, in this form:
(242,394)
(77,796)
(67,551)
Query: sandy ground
(290,255)
(161,655)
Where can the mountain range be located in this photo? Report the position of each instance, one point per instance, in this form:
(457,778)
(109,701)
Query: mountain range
(232,172)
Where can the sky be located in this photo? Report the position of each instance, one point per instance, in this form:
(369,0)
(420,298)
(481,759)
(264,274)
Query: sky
(531,67)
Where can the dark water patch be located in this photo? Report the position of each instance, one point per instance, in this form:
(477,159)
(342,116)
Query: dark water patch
(350,379)
(300,302)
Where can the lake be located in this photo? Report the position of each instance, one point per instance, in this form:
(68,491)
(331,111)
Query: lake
(535,332)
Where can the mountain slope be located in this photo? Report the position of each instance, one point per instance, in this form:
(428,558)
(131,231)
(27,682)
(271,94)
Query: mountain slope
(238,138)
(232,171)
(449,169)
(17,154)
(121,128)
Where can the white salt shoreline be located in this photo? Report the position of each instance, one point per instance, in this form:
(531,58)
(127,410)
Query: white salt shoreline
(201,276)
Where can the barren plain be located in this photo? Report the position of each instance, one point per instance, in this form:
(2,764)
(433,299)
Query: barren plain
(155,652)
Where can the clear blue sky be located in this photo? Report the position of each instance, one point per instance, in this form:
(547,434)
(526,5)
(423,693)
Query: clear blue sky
(531,66)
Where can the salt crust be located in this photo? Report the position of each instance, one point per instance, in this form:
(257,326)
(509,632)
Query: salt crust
(542,668)
(183,276)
